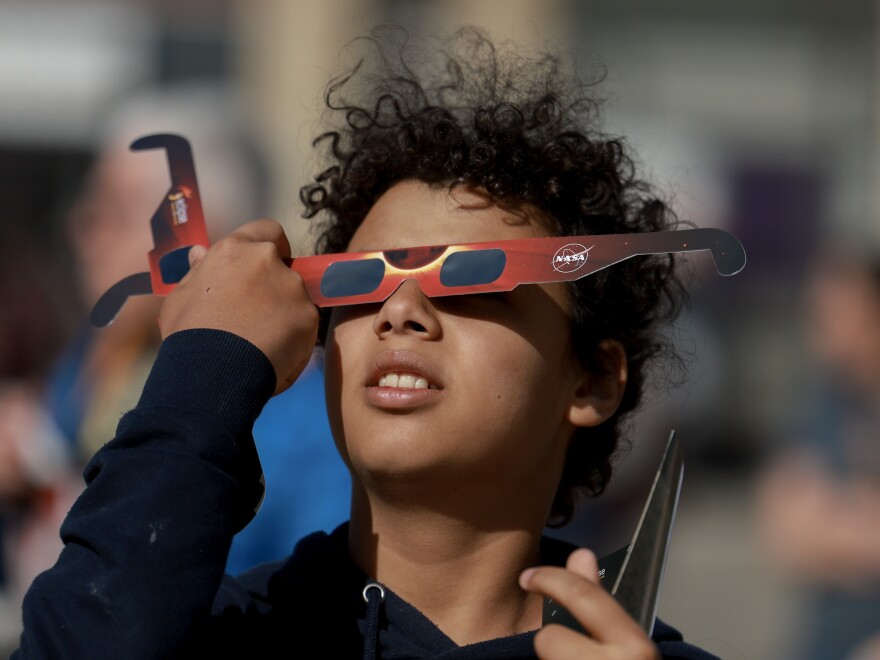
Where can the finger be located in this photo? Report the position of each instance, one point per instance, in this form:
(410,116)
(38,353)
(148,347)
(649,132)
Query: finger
(194,257)
(265,231)
(584,563)
(196,254)
(561,643)
(593,607)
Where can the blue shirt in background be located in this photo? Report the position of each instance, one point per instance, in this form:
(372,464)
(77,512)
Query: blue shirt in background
(308,487)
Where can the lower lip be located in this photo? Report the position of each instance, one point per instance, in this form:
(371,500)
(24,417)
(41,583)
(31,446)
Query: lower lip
(397,398)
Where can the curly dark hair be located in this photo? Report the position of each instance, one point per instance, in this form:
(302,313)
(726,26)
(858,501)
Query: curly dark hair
(523,130)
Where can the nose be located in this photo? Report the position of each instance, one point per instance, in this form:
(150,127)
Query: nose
(408,311)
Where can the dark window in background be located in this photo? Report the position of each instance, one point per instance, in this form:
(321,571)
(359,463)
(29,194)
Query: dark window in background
(36,182)
(37,279)
(776,211)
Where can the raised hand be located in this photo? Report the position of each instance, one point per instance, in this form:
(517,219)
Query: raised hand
(242,285)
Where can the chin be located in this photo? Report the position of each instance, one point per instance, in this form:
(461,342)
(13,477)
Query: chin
(391,467)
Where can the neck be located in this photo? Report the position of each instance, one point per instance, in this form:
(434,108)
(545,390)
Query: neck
(454,568)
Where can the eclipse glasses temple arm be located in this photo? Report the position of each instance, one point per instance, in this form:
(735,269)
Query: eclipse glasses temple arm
(727,252)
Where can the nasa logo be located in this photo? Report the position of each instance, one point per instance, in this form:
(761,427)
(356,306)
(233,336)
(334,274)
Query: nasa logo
(570,258)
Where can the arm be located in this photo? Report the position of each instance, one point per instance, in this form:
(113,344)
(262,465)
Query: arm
(147,541)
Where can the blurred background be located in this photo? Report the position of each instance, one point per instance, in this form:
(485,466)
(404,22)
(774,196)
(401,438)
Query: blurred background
(761,118)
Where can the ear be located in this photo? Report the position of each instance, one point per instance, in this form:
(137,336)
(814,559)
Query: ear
(599,393)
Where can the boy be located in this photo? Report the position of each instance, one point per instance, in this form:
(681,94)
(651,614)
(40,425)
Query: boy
(466,421)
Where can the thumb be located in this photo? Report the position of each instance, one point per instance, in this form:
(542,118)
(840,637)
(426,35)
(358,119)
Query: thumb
(196,254)
(584,563)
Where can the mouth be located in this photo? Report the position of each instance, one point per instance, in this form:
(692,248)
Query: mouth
(402,371)
(406,381)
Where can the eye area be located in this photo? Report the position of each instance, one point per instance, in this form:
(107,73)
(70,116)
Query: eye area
(352,278)
(471,268)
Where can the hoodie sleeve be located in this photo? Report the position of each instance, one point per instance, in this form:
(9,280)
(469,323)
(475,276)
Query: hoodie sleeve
(673,647)
(146,543)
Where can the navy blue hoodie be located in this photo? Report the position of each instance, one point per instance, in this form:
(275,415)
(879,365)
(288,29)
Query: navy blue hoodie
(141,574)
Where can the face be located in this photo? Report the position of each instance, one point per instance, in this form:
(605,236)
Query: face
(109,226)
(442,390)
(109,230)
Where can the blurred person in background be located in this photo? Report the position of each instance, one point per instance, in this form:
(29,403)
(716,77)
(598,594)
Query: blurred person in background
(101,373)
(108,229)
(105,372)
(819,505)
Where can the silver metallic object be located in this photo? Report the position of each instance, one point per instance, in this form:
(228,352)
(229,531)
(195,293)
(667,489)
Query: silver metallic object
(636,571)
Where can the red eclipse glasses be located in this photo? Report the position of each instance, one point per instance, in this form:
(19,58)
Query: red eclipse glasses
(448,270)
(371,277)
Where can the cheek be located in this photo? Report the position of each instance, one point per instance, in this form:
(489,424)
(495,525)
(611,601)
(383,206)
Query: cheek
(333,376)
(514,425)
(346,334)
(519,386)
(333,380)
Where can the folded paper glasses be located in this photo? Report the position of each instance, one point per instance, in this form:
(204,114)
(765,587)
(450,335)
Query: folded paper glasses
(370,277)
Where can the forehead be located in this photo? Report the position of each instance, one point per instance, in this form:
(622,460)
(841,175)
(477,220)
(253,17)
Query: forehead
(413,213)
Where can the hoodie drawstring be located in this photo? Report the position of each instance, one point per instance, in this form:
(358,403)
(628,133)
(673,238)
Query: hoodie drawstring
(374,596)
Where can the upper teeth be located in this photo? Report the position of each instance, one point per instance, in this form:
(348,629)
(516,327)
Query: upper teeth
(407,381)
